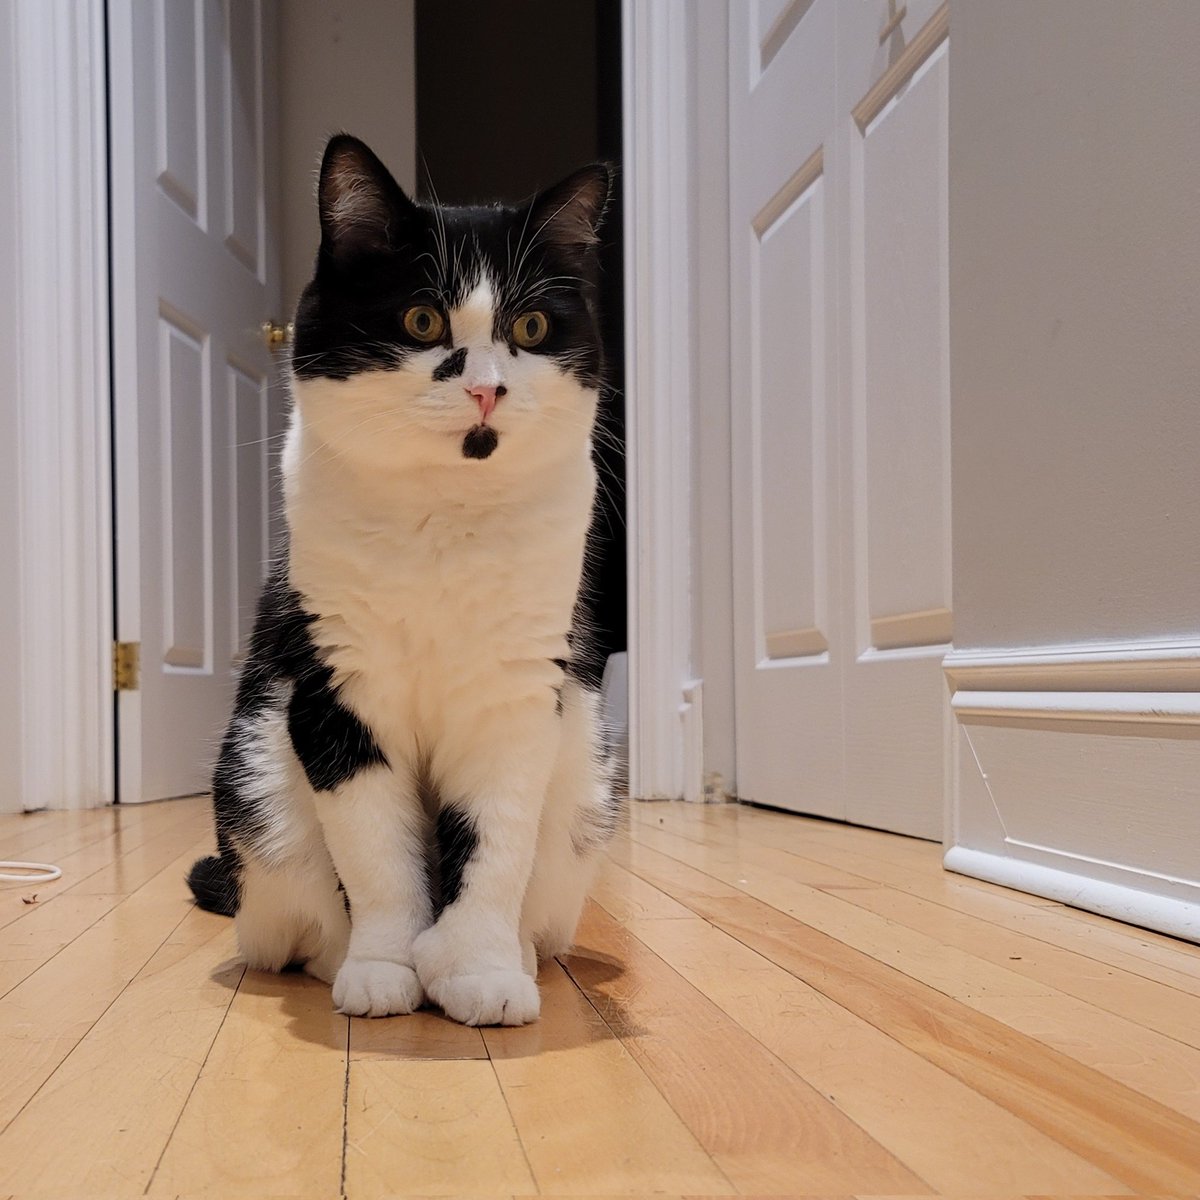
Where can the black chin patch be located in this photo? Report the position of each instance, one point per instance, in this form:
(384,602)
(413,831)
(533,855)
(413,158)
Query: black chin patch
(480,442)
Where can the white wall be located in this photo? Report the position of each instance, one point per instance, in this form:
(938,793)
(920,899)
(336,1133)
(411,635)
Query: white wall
(344,65)
(1075,382)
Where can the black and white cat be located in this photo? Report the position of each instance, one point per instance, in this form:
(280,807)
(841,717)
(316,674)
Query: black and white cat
(412,790)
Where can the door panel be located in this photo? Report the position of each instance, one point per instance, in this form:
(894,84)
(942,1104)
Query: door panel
(788,400)
(195,276)
(841,709)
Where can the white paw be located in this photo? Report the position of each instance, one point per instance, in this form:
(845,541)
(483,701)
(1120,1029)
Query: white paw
(489,998)
(367,987)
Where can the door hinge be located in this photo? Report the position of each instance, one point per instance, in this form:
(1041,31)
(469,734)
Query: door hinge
(125,666)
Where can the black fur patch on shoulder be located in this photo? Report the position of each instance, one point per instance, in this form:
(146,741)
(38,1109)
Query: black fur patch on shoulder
(330,740)
(451,367)
(457,842)
(332,744)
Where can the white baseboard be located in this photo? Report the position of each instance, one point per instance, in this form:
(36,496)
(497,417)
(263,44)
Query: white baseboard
(1178,918)
(691,714)
(1078,777)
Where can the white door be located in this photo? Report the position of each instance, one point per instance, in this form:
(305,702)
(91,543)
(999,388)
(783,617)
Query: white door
(838,211)
(195,275)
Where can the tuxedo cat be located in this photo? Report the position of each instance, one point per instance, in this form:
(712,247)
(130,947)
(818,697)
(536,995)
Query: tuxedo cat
(412,792)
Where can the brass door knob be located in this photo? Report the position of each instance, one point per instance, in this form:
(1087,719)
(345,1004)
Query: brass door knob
(277,334)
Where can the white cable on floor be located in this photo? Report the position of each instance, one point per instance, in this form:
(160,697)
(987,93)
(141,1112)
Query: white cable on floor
(28,875)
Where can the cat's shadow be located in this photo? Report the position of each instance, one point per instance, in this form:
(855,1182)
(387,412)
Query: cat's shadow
(580,1008)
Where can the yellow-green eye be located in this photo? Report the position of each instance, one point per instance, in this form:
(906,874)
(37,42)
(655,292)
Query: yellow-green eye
(424,323)
(530,329)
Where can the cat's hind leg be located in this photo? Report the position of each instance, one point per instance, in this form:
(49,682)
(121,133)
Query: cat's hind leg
(289,908)
(293,913)
(579,818)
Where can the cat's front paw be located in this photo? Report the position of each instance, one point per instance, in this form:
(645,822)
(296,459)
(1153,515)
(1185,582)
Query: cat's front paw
(489,998)
(368,987)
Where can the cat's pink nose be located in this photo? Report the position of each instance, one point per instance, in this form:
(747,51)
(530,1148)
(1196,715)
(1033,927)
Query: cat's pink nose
(486,398)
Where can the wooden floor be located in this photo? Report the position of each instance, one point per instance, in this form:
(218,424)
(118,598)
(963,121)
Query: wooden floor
(760,1004)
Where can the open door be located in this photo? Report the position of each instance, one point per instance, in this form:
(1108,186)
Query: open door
(195,276)
(840,366)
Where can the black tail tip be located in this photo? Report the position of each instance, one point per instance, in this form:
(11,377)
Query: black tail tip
(214,885)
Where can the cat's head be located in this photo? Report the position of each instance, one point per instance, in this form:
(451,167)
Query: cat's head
(437,336)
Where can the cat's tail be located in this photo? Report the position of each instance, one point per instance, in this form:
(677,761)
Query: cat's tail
(213,881)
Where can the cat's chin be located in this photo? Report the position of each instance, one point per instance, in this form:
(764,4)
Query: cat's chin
(480,441)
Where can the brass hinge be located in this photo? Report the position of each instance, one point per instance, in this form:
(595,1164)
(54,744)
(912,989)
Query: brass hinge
(125,666)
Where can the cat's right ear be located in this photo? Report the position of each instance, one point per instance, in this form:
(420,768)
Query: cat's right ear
(363,209)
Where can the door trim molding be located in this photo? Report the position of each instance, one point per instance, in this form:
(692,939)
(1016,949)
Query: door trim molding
(60,297)
(1145,666)
(658,314)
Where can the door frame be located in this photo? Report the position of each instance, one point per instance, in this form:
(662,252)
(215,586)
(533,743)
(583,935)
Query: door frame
(665,714)
(62,397)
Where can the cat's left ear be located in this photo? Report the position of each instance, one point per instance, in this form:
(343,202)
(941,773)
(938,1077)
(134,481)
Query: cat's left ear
(569,214)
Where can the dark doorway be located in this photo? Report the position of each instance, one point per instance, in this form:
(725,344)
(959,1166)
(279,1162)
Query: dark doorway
(512,97)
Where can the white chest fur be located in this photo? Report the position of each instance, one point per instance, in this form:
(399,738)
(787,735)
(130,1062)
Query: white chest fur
(441,591)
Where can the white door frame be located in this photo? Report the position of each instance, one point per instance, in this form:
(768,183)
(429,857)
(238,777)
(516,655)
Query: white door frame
(60,297)
(66,561)
(664,713)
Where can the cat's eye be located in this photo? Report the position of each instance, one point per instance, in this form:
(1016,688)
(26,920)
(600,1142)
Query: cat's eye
(424,323)
(530,329)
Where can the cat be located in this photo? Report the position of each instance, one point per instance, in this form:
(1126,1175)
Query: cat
(412,792)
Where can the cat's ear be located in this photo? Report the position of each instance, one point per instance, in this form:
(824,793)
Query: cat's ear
(570,212)
(362,208)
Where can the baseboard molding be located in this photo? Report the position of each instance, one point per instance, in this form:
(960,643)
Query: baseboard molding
(1165,914)
(1076,776)
(1147,666)
(1125,708)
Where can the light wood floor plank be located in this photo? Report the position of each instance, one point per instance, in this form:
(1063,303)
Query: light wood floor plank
(768,1130)
(24,835)
(954,1138)
(1167,1010)
(121,834)
(421,1087)
(423,1035)
(94,869)
(410,1120)
(626,897)
(26,945)
(44,1017)
(266,1115)
(110,1107)
(841,850)
(1146,1145)
(1161,1067)
(56,921)
(775,985)
(590,1120)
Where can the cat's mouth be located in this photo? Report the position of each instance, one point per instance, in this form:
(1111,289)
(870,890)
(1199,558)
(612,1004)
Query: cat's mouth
(480,441)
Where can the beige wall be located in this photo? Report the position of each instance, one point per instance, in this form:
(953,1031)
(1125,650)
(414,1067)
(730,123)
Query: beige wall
(1075,320)
(344,65)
